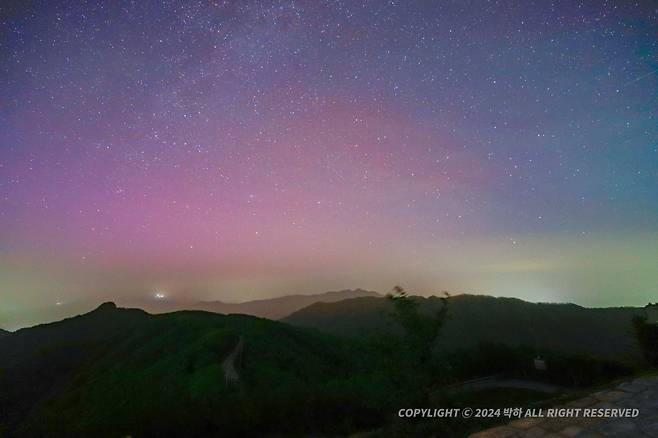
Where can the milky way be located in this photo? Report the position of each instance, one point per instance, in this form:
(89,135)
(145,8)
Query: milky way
(243,149)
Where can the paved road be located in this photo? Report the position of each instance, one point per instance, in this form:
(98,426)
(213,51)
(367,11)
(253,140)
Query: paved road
(497,382)
(641,394)
(228,365)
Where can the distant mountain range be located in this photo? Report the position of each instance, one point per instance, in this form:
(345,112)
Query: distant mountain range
(280,307)
(472,319)
(605,332)
(272,308)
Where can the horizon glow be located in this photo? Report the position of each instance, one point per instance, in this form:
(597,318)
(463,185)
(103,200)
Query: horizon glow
(243,150)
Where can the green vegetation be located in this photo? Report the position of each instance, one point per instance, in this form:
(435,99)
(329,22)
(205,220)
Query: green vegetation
(161,375)
(119,372)
(420,329)
(569,370)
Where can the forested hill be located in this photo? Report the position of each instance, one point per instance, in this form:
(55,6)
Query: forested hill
(474,318)
(120,372)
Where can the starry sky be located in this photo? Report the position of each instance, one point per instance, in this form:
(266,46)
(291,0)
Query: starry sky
(239,149)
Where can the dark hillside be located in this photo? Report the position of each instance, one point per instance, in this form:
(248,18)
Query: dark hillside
(474,319)
(124,372)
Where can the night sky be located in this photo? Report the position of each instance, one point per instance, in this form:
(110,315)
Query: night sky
(240,150)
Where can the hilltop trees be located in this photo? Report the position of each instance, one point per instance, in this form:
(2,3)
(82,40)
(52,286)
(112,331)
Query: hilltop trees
(420,329)
(411,348)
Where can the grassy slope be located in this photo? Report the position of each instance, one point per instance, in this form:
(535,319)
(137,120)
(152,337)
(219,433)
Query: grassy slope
(472,319)
(119,372)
